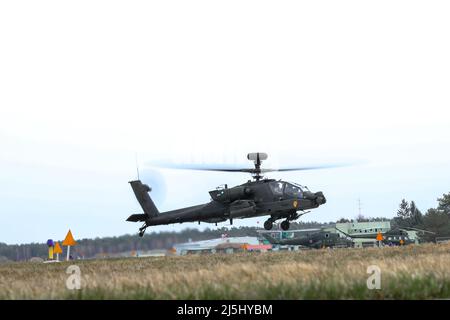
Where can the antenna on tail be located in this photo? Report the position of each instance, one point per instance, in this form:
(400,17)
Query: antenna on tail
(137,165)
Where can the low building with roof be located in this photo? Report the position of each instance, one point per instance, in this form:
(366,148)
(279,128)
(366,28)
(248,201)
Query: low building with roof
(224,244)
(361,229)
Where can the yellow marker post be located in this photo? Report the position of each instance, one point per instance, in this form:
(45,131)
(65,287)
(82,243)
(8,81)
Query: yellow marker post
(50,249)
(401,242)
(68,242)
(57,250)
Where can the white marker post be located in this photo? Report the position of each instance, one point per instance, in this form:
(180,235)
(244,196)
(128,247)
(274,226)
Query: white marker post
(68,253)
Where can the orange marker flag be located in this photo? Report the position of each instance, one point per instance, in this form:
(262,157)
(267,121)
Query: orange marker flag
(69,241)
(57,250)
(379,237)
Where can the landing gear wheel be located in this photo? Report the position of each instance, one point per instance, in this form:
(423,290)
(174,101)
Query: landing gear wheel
(142,230)
(285,225)
(268,225)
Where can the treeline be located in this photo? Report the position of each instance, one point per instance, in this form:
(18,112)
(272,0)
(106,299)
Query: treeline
(435,220)
(112,245)
(22,251)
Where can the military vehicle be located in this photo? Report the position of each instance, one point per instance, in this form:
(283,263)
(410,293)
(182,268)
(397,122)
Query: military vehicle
(313,238)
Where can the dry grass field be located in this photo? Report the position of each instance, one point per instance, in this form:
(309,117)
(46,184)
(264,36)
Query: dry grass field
(410,272)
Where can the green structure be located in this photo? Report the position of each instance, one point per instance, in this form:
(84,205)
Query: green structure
(364,233)
(361,229)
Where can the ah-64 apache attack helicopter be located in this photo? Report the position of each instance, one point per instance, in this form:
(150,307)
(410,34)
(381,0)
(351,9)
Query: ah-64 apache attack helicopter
(260,197)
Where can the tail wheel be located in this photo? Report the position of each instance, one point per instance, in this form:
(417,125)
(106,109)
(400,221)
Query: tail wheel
(142,230)
(285,225)
(268,225)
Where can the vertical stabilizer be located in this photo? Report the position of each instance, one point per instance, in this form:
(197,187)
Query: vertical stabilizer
(141,192)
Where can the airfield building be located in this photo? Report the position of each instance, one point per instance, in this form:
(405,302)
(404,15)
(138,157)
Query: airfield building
(361,229)
(369,228)
(220,245)
(241,244)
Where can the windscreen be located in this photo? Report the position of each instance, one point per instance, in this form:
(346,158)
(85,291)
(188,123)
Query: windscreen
(293,191)
(277,188)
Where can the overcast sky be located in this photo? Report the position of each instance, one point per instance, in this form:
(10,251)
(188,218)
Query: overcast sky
(87,85)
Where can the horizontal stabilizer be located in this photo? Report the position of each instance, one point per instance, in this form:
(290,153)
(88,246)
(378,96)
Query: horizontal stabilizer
(137,217)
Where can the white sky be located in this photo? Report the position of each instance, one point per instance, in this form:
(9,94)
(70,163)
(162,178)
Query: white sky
(87,84)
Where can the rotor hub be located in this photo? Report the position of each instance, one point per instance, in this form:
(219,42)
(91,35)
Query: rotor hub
(257,158)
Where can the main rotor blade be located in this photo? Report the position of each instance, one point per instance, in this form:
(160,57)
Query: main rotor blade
(323,166)
(416,229)
(346,234)
(201,167)
(217,169)
(222,168)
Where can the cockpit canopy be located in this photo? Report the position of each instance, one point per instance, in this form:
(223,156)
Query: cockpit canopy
(293,190)
(280,188)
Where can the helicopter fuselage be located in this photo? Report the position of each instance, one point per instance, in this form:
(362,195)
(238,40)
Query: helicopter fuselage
(318,239)
(279,199)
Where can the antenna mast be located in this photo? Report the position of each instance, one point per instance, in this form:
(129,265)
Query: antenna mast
(137,166)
